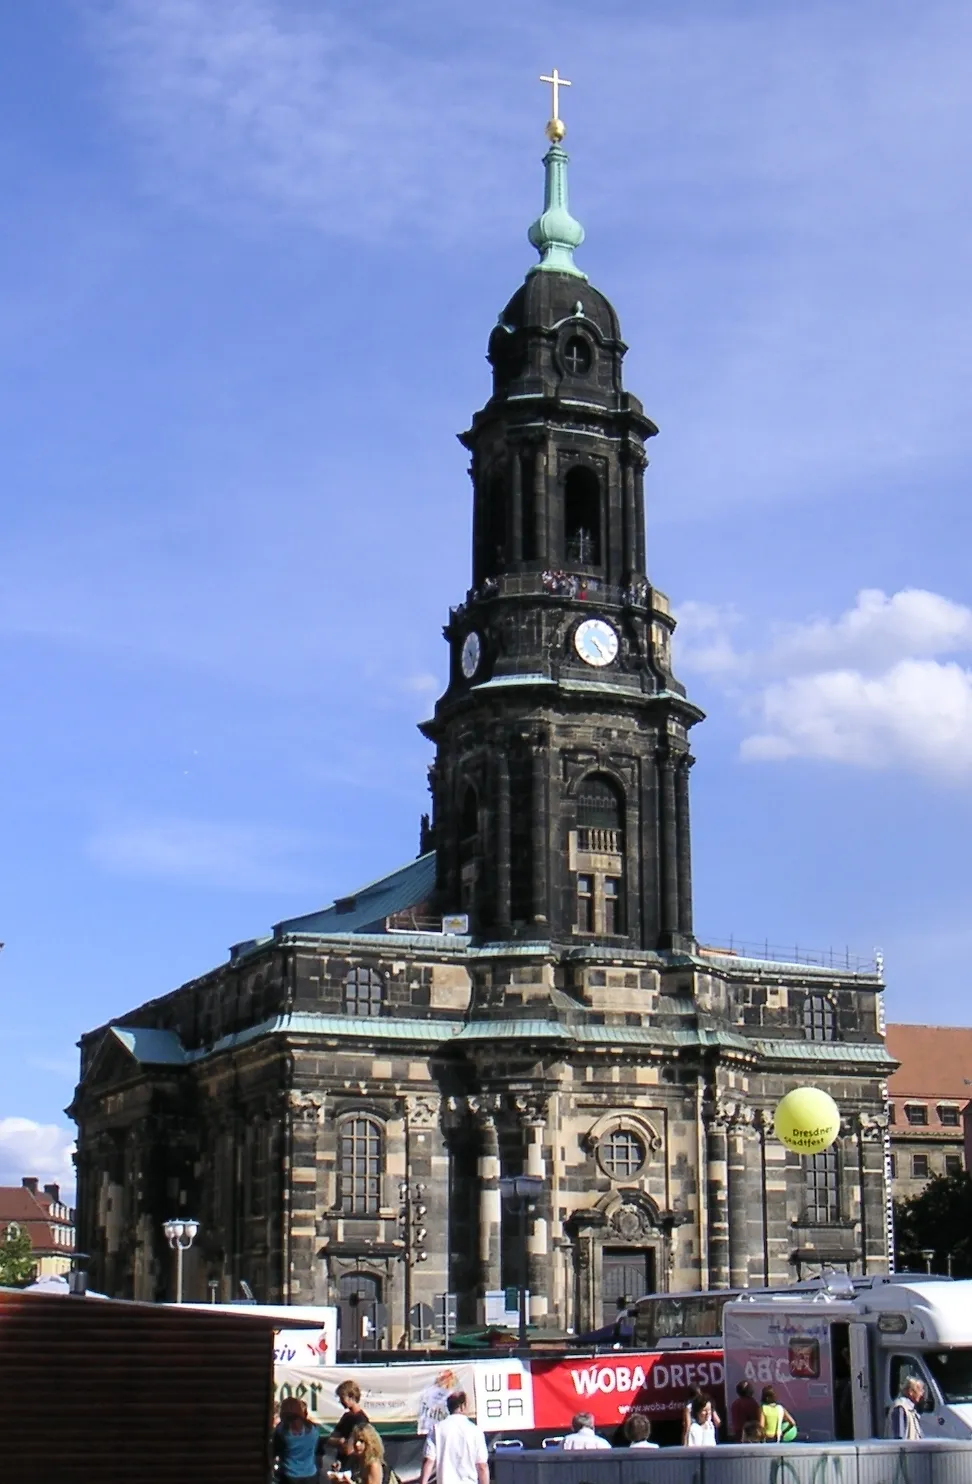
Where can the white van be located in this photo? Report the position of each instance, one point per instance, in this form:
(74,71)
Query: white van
(836,1358)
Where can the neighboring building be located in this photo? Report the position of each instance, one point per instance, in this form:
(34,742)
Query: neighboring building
(46,1219)
(528,995)
(929,1094)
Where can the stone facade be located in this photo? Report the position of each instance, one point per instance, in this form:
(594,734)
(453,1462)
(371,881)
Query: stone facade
(336,1106)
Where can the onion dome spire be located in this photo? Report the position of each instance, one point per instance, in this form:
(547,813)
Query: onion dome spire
(556,233)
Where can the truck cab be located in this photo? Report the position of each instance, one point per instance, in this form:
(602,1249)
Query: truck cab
(837,1358)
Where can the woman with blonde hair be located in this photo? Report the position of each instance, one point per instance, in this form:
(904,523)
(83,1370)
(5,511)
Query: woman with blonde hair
(368,1455)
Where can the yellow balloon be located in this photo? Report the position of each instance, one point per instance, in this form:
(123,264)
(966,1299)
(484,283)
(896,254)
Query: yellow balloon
(807,1120)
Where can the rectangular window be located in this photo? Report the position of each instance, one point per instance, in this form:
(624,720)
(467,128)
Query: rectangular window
(585,904)
(892,1113)
(919,1167)
(948,1116)
(612,905)
(894,1167)
(916,1113)
(953,1164)
(822,1187)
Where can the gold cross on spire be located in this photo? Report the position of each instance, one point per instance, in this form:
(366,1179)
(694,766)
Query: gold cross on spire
(556,128)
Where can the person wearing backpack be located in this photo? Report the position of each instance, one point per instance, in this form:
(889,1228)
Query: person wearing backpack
(778,1425)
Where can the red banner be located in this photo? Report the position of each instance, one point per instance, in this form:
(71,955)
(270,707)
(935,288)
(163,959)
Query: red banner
(611,1386)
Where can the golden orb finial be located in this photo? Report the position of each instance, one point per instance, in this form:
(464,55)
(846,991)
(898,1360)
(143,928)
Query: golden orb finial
(555,130)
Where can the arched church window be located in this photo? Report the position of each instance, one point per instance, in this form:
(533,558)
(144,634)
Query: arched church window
(364,992)
(818,1018)
(577,356)
(621,1153)
(582,517)
(599,815)
(360,1159)
(600,858)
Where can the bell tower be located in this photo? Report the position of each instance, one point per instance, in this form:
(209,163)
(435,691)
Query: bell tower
(561,781)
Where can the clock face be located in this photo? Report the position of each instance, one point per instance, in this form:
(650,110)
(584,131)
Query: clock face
(596,642)
(471,651)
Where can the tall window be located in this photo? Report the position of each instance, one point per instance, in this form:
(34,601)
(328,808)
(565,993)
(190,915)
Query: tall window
(953,1164)
(359,1167)
(585,904)
(582,517)
(818,1018)
(919,1166)
(822,1187)
(363,992)
(612,905)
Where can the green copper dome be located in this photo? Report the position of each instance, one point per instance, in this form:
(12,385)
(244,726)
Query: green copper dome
(556,233)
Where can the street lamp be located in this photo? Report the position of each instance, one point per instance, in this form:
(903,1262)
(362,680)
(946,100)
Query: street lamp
(928,1253)
(181,1235)
(521,1193)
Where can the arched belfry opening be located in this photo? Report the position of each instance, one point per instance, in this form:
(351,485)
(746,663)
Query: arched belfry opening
(583,515)
(596,851)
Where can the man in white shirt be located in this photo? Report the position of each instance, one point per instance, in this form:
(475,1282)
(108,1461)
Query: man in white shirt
(455,1451)
(583,1435)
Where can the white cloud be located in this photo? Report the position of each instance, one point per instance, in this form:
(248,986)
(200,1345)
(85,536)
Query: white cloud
(202,852)
(864,689)
(41,1149)
(877,631)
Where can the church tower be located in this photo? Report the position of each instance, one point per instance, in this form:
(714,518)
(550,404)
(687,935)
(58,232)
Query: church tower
(561,781)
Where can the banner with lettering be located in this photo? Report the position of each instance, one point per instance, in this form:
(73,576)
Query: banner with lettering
(389,1393)
(611,1386)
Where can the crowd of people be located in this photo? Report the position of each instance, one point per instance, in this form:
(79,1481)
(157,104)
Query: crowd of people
(456,1451)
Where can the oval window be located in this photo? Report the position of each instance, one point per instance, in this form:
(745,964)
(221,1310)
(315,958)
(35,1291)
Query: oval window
(577,356)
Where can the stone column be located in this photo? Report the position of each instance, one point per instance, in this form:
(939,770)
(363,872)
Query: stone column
(538,1228)
(684,846)
(716,1182)
(629,538)
(539,835)
(669,850)
(490,1214)
(738,1203)
(540,504)
(640,460)
(516,504)
(503,882)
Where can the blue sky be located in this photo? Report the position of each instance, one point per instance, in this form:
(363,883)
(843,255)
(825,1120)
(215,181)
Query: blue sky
(252,253)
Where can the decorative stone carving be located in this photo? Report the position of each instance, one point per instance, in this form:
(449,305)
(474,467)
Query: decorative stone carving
(422,1111)
(630,1223)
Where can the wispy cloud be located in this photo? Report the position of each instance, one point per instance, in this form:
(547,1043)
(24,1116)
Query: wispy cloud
(866,688)
(325,114)
(41,1149)
(202,853)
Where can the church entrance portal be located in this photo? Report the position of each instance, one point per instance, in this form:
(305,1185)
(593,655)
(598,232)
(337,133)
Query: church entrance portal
(626,1273)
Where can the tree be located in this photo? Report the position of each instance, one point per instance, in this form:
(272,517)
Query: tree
(16,1258)
(939,1220)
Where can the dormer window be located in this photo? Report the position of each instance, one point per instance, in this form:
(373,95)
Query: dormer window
(916,1114)
(948,1115)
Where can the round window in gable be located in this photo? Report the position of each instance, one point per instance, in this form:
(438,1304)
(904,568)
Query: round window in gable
(577,356)
(621,1154)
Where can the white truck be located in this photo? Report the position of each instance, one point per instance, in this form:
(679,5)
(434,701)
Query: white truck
(837,1357)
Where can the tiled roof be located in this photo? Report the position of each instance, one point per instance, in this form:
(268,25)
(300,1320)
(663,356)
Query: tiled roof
(365,910)
(935,1061)
(19,1205)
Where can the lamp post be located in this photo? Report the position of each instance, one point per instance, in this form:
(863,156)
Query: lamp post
(521,1193)
(180,1235)
(928,1253)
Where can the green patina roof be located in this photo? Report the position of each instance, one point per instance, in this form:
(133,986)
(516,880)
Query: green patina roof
(159,1047)
(556,233)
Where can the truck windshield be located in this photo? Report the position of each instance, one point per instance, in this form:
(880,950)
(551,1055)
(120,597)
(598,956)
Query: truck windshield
(952,1370)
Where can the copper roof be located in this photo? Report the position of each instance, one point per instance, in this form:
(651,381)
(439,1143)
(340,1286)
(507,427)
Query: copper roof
(935,1061)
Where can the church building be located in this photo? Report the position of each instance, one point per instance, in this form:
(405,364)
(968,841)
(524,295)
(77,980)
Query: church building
(342,1104)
